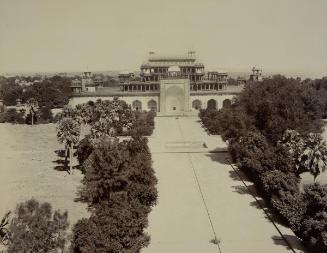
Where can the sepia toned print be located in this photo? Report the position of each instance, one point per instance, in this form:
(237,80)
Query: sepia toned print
(163,126)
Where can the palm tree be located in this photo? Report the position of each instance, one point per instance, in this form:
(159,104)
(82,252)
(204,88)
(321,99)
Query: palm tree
(68,132)
(31,104)
(315,155)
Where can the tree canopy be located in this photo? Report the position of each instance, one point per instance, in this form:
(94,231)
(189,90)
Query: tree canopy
(36,228)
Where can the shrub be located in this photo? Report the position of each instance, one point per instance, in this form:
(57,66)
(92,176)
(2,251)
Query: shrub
(143,124)
(291,207)
(209,119)
(36,228)
(116,168)
(46,114)
(83,151)
(116,230)
(313,230)
(2,117)
(119,187)
(28,119)
(282,188)
(12,116)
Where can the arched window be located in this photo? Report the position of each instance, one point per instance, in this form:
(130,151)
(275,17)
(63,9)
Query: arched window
(152,105)
(196,104)
(227,103)
(137,105)
(212,104)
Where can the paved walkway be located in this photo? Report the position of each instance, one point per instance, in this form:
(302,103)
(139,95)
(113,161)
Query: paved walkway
(201,197)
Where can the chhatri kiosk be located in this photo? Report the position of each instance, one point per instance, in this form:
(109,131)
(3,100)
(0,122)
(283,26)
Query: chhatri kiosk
(169,85)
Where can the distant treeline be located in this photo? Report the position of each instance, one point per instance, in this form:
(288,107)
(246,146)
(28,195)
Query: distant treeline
(52,92)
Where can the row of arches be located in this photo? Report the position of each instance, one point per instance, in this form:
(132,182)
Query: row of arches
(211,104)
(152,105)
(196,104)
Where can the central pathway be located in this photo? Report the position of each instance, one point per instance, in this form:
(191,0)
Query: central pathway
(201,198)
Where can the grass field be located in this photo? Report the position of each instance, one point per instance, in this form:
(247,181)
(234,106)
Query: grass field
(27,170)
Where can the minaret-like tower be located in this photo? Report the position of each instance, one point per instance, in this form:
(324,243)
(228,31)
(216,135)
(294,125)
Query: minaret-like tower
(86,80)
(256,75)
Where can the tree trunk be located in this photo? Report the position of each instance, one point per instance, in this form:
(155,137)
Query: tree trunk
(66,153)
(71,157)
(32,117)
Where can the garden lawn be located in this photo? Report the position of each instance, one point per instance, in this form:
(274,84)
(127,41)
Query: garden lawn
(27,170)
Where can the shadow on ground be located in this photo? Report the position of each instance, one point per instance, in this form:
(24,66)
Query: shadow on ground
(292,239)
(62,162)
(220,157)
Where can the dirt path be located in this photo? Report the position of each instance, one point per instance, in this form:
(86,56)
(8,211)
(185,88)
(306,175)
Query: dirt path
(201,198)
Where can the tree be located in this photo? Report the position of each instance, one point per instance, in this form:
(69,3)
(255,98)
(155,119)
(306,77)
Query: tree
(68,132)
(46,114)
(111,118)
(115,230)
(272,107)
(84,150)
(315,154)
(309,152)
(119,187)
(119,168)
(32,105)
(36,228)
(10,91)
(12,116)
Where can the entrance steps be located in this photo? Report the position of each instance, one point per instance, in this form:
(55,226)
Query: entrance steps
(177,114)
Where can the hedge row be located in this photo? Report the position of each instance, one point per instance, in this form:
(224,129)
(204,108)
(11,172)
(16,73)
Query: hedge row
(254,127)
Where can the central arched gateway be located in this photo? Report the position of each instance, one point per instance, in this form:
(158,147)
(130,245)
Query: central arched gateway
(174,96)
(175,99)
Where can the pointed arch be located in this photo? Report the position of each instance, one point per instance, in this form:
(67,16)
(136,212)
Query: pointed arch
(137,105)
(152,105)
(212,104)
(227,103)
(196,104)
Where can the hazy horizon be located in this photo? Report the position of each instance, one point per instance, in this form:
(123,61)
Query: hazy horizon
(280,36)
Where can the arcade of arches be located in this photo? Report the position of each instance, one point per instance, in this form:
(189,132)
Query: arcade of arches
(196,104)
(174,102)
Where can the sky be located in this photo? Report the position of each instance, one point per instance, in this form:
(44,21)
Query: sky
(233,35)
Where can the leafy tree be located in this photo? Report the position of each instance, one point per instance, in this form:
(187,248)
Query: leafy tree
(36,228)
(111,118)
(271,107)
(119,187)
(10,92)
(32,105)
(12,116)
(116,230)
(309,152)
(116,168)
(46,114)
(68,132)
(315,154)
(282,189)
(84,150)
(143,124)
